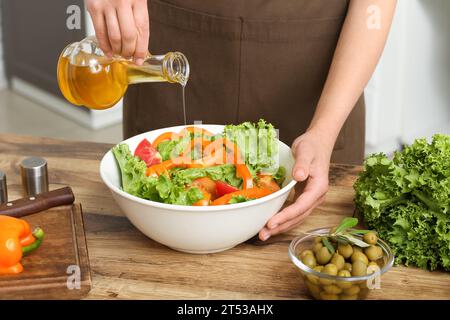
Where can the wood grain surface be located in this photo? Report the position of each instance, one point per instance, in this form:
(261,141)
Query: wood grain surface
(125,264)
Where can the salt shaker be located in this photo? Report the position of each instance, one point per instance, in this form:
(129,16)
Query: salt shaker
(3,188)
(34,176)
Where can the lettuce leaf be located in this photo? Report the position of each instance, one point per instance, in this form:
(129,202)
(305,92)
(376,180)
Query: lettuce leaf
(258,143)
(407,200)
(161,189)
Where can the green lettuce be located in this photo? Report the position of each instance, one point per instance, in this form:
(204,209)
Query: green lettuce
(239,199)
(407,200)
(224,172)
(170,149)
(161,189)
(258,143)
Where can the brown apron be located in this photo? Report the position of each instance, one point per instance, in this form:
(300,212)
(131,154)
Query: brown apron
(249,59)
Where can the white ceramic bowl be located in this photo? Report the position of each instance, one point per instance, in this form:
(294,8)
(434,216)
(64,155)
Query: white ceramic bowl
(196,229)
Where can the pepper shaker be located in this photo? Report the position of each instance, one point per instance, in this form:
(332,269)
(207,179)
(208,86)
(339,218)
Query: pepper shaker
(3,188)
(34,176)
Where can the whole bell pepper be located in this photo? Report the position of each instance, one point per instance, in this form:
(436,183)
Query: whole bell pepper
(16,240)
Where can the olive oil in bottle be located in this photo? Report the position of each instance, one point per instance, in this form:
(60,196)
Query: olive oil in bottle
(87,77)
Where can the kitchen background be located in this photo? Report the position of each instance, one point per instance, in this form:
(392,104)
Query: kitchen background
(407,97)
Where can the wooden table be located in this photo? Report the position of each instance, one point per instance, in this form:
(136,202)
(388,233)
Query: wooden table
(125,264)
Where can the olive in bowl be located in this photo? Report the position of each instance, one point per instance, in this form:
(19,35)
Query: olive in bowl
(347,272)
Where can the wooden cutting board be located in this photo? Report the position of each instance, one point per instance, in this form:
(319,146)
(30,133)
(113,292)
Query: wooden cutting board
(59,269)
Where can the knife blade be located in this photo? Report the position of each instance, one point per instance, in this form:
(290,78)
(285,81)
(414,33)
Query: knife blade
(43,201)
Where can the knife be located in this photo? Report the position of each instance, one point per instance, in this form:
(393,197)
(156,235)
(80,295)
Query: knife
(41,202)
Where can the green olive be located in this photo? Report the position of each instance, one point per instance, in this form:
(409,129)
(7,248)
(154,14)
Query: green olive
(360,256)
(373,253)
(309,260)
(359,268)
(345,250)
(328,296)
(372,267)
(317,246)
(332,289)
(318,268)
(313,278)
(370,238)
(344,273)
(323,256)
(341,283)
(356,249)
(338,261)
(318,240)
(353,290)
(330,269)
(348,297)
(373,263)
(313,288)
(347,266)
(304,253)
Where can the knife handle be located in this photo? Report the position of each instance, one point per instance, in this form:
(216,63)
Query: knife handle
(26,206)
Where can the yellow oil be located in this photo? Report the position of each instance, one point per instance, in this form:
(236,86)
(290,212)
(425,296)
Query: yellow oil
(104,84)
(98,87)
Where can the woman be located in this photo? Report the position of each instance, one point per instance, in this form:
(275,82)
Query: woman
(300,64)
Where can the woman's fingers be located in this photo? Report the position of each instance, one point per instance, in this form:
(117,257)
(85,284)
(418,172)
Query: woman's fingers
(112,23)
(140,13)
(121,26)
(303,158)
(98,19)
(128,30)
(101,33)
(315,188)
(265,233)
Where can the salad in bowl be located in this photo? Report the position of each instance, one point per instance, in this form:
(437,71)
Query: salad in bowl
(197,167)
(202,188)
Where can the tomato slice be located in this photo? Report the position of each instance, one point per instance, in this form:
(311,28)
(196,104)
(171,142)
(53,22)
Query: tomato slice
(267,182)
(223,188)
(206,184)
(147,153)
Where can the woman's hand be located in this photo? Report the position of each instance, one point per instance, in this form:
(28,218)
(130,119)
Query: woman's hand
(121,27)
(312,152)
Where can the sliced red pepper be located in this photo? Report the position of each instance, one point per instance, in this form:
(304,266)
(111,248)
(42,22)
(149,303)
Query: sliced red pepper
(223,188)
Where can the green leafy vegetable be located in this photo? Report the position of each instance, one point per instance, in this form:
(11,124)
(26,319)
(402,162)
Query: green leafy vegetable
(161,189)
(238,199)
(407,200)
(258,144)
(132,169)
(280,175)
(224,172)
(172,148)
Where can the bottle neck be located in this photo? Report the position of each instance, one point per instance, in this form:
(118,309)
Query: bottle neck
(172,67)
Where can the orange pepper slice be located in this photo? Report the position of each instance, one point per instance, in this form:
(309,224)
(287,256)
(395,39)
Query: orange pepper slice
(163,137)
(253,193)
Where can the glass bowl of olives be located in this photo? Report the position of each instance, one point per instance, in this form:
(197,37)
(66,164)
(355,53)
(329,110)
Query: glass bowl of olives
(343,265)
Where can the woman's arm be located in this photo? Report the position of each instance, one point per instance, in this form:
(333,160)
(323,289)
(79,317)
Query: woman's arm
(359,48)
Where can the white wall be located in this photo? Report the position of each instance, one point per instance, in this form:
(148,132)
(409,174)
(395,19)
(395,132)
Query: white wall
(409,94)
